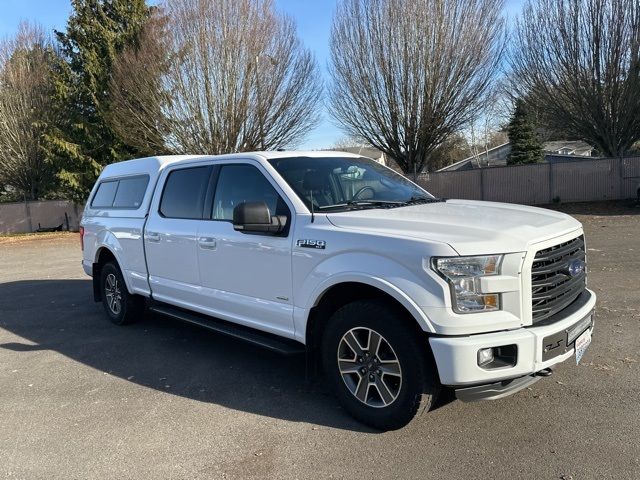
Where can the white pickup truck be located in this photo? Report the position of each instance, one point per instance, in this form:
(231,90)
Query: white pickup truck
(393,294)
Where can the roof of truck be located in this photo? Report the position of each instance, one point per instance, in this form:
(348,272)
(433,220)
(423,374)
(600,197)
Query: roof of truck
(155,164)
(304,153)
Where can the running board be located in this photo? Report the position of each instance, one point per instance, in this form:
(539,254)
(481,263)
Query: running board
(269,341)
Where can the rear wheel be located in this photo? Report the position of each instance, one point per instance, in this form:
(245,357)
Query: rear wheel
(377,365)
(120,306)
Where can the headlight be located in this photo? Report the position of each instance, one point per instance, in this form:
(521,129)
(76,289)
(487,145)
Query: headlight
(463,275)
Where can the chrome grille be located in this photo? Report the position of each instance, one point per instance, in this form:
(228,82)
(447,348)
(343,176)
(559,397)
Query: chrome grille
(552,287)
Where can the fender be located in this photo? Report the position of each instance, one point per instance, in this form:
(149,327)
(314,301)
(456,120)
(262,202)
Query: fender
(106,239)
(374,270)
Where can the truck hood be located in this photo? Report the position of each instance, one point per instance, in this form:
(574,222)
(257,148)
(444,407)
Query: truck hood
(470,227)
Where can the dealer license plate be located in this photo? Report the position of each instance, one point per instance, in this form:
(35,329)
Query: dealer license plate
(582,342)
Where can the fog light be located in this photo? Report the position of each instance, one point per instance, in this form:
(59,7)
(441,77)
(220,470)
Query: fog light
(485,355)
(504,356)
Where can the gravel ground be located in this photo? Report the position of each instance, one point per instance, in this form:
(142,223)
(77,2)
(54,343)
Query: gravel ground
(81,398)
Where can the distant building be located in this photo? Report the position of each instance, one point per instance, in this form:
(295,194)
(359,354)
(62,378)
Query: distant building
(560,150)
(576,148)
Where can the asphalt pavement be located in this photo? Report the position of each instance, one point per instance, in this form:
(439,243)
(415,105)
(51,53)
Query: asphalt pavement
(82,398)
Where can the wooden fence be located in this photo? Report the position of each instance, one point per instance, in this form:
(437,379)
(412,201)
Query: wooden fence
(542,183)
(23,217)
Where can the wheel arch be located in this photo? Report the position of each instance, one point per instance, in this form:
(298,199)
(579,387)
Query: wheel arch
(341,293)
(103,255)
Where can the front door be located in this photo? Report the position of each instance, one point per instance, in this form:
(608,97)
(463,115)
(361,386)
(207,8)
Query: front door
(245,277)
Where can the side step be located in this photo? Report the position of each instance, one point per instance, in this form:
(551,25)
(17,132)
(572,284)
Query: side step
(266,340)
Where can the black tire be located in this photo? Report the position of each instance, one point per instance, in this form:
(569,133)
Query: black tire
(417,386)
(129,307)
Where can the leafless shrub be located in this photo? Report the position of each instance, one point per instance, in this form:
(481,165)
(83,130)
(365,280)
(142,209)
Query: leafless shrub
(219,77)
(577,63)
(407,74)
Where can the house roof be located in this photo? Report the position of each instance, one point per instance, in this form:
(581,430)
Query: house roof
(497,156)
(568,147)
(493,157)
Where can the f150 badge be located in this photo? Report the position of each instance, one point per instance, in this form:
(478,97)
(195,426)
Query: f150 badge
(306,243)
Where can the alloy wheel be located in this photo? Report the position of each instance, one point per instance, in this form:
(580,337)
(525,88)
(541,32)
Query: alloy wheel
(369,367)
(113,294)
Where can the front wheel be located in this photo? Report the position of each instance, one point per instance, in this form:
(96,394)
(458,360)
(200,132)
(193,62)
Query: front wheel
(120,306)
(377,365)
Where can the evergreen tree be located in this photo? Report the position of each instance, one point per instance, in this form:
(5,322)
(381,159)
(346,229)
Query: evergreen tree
(83,140)
(525,145)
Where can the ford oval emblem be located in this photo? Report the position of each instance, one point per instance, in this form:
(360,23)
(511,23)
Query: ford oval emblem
(576,267)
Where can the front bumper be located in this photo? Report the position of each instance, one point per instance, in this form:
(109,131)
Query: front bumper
(496,390)
(457,357)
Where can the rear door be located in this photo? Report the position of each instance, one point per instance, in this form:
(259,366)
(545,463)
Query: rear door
(171,232)
(246,277)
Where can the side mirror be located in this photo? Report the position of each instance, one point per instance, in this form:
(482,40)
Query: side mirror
(255,217)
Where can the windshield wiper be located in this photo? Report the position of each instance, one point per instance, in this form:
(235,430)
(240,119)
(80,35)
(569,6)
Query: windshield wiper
(419,200)
(361,204)
(373,202)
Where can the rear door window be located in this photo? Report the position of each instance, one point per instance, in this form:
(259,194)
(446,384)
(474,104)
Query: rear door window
(184,193)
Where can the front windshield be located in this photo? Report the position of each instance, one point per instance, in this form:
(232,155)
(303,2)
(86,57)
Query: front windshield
(335,183)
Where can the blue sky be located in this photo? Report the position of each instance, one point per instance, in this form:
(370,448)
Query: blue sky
(313,18)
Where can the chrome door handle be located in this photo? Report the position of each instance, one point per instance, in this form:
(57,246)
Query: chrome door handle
(208,243)
(152,236)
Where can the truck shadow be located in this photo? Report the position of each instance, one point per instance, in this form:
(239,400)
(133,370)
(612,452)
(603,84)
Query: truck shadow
(159,353)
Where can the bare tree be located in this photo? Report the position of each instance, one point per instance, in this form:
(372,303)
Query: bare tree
(577,62)
(349,141)
(219,77)
(487,130)
(26,94)
(453,149)
(409,73)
